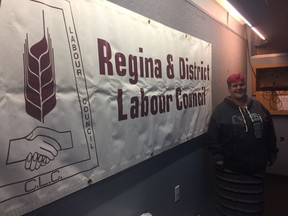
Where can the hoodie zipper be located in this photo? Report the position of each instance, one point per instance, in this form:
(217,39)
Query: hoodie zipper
(247,130)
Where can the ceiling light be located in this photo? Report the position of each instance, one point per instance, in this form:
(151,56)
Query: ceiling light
(234,13)
(258,33)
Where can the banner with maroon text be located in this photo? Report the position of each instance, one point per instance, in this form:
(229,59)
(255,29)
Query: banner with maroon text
(88,89)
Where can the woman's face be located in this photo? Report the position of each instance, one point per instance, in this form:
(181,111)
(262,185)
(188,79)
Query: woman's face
(237,90)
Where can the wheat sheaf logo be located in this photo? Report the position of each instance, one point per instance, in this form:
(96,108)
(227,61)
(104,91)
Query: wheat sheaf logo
(39,77)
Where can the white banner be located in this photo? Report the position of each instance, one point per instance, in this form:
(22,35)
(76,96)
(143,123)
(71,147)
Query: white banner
(87,89)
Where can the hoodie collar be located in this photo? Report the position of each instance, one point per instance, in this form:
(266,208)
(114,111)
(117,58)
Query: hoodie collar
(233,104)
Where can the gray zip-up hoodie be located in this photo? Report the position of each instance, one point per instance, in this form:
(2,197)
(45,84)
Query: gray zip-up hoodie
(243,138)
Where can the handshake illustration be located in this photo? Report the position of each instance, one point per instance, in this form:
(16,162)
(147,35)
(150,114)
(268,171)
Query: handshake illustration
(38,148)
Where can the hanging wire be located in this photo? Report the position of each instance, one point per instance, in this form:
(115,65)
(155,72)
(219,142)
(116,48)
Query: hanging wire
(274,98)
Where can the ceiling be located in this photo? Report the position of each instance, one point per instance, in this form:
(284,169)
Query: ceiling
(271,18)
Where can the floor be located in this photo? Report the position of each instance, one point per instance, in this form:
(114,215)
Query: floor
(276,195)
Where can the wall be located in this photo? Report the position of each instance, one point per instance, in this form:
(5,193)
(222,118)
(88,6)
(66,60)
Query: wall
(281,165)
(149,186)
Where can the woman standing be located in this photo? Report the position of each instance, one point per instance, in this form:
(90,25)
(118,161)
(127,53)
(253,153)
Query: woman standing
(242,141)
